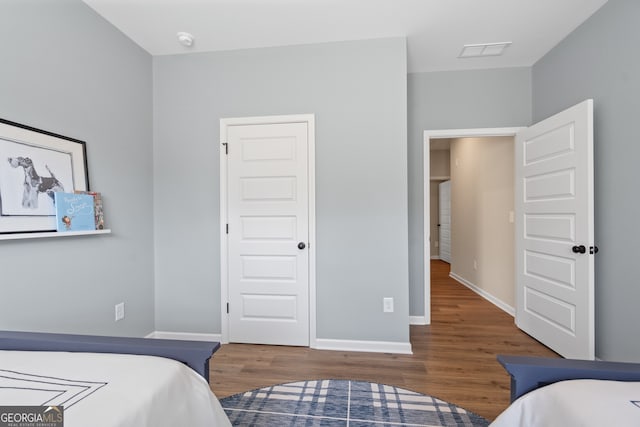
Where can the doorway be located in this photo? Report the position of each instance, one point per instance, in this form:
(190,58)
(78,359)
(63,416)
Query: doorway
(428,137)
(554,229)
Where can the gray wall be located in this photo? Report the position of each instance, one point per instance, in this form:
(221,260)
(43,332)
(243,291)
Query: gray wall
(599,60)
(358,92)
(455,100)
(65,70)
(74,74)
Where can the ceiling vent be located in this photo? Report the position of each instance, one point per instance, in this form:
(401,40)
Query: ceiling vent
(484,49)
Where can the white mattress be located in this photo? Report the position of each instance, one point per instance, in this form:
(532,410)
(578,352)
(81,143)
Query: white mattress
(109,390)
(583,403)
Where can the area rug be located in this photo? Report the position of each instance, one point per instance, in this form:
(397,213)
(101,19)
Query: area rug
(343,403)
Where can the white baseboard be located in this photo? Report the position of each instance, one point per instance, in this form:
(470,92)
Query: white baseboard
(417,320)
(435,257)
(365,346)
(484,294)
(187,336)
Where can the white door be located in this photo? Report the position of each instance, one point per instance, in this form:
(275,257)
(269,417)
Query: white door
(444,220)
(554,232)
(268,234)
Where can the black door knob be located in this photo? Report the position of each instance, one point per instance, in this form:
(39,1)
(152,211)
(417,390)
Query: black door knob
(579,249)
(301,245)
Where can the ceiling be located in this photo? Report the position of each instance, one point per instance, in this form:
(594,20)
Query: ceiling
(436,30)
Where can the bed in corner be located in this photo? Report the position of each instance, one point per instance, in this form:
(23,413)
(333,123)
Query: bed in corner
(565,392)
(110,381)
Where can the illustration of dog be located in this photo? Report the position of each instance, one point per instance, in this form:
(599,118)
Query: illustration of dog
(35,184)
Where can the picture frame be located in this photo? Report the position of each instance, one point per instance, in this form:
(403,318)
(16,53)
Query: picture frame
(34,164)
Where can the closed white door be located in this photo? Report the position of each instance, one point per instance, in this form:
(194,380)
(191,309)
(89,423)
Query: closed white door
(444,220)
(554,232)
(268,234)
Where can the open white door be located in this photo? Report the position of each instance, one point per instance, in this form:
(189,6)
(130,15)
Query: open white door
(444,220)
(554,232)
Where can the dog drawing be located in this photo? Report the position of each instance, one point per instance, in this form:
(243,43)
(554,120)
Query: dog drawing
(35,184)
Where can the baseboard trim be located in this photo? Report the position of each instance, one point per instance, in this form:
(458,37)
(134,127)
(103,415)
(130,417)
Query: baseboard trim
(484,294)
(364,346)
(417,320)
(185,336)
(435,257)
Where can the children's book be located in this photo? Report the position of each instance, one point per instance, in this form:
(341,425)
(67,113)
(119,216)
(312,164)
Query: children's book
(97,207)
(74,212)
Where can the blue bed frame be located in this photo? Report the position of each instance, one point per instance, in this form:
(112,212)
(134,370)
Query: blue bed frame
(529,373)
(195,354)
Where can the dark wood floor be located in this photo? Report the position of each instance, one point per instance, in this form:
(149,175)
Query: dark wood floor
(453,359)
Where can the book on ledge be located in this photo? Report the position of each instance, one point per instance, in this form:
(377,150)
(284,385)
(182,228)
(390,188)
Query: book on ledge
(74,212)
(97,207)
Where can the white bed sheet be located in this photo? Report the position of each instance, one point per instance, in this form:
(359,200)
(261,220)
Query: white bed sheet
(110,390)
(583,403)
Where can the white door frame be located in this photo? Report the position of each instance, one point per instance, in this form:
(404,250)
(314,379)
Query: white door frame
(309,119)
(426,178)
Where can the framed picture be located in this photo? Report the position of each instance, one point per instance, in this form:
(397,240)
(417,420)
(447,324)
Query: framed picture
(34,164)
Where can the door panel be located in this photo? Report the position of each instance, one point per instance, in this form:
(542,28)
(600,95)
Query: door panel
(268,275)
(444,219)
(269,307)
(554,213)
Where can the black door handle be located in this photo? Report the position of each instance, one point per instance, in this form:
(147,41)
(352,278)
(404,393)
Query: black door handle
(301,245)
(579,249)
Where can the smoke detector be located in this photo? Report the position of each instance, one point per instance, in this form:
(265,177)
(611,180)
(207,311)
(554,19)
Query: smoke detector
(185,39)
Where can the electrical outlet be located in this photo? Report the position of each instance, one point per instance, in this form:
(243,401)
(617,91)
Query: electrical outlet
(387,305)
(475,264)
(119,311)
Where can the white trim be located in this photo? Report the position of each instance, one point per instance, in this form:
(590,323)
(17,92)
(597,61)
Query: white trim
(426,217)
(435,257)
(472,133)
(484,294)
(311,187)
(417,320)
(426,178)
(186,336)
(365,346)
(311,170)
(224,291)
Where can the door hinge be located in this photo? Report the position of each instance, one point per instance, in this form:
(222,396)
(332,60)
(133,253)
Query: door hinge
(226,147)
(227,228)
(227,308)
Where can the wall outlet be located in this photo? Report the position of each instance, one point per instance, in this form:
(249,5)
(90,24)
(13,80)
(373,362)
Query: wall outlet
(119,311)
(387,305)
(475,264)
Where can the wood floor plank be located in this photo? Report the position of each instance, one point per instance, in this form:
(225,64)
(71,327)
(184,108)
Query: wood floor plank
(453,359)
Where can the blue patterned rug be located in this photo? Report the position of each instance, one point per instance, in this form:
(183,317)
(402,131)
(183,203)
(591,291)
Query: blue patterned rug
(343,403)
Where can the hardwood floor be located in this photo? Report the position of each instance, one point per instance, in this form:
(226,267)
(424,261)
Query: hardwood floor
(453,359)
